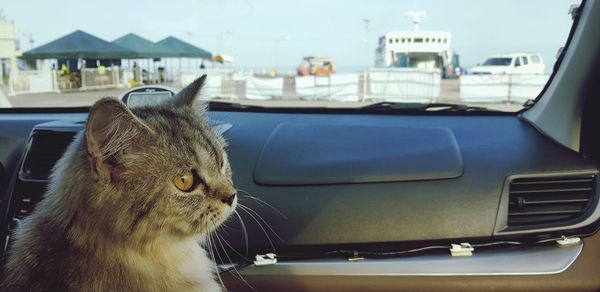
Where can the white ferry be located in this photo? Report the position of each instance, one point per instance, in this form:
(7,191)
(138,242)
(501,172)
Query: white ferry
(417,48)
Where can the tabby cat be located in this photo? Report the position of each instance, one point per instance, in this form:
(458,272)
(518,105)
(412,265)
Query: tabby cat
(128,204)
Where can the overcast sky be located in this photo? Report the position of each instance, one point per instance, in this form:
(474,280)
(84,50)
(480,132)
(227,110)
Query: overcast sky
(264,33)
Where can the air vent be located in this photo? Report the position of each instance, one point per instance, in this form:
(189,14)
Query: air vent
(45,149)
(552,201)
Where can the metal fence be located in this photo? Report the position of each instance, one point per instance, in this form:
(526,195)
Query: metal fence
(100,78)
(509,88)
(219,83)
(31,82)
(377,84)
(402,84)
(409,85)
(25,82)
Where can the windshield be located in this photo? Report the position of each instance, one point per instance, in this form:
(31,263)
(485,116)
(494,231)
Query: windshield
(497,62)
(280,53)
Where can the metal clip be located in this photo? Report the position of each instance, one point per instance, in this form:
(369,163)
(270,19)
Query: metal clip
(568,241)
(265,260)
(461,250)
(356,257)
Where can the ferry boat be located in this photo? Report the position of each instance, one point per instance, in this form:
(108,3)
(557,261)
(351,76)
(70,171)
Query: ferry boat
(417,49)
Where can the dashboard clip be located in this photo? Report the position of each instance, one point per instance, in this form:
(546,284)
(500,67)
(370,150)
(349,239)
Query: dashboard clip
(461,250)
(356,257)
(568,241)
(265,260)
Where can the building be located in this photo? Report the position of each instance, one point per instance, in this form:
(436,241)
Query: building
(9,47)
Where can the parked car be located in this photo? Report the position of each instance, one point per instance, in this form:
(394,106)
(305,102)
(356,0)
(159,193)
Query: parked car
(515,63)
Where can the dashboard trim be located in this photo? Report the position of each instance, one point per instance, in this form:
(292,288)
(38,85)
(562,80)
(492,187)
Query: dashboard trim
(520,261)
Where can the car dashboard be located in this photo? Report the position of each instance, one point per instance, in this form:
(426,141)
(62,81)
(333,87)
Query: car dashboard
(339,195)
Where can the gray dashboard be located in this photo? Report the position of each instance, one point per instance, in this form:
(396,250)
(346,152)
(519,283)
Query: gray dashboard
(312,154)
(491,147)
(456,196)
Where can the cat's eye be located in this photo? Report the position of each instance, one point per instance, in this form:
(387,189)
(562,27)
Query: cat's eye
(185,181)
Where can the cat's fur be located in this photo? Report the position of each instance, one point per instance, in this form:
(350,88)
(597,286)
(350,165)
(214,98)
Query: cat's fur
(112,219)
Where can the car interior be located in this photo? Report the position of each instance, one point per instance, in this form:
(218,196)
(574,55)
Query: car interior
(385,197)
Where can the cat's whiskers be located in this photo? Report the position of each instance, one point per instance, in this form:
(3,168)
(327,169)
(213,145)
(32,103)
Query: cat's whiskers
(231,247)
(215,250)
(245,209)
(210,251)
(244,230)
(239,275)
(225,226)
(263,220)
(260,202)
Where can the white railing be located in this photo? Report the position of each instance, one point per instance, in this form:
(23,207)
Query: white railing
(409,85)
(219,83)
(21,82)
(95,78)
(377,84)
(509,88)
(402,84)
(337,87)
(26,82)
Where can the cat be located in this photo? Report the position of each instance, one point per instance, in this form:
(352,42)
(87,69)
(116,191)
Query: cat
(128,204)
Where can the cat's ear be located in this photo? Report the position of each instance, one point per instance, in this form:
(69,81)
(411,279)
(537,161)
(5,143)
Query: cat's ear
(190,93)
(111,127)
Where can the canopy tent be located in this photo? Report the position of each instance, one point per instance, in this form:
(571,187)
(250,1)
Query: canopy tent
(79,44)
(183,49)
(142,47)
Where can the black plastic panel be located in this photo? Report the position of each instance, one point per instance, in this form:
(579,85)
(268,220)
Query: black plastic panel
(305,154)
(492,148)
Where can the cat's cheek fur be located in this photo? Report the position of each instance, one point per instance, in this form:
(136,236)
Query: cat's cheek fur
(217,213)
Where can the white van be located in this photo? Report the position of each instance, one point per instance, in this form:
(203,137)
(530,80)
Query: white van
(516,63)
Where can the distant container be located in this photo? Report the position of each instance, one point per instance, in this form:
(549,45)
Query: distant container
(317,66)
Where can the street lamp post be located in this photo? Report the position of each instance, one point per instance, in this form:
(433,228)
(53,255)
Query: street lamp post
(278,42)
(221,45)
(366,40)
(221,42)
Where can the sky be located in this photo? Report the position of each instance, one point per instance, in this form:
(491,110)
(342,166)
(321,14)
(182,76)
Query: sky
(278,33)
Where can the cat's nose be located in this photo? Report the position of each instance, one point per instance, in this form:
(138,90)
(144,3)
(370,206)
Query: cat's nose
(228,199)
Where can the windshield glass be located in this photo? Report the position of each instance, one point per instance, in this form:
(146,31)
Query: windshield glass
(280,53)
(497,62)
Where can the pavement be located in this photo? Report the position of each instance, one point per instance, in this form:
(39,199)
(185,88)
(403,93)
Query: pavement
(3,100)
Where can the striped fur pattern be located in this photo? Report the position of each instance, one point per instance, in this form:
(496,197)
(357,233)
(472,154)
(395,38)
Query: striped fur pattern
(112,218)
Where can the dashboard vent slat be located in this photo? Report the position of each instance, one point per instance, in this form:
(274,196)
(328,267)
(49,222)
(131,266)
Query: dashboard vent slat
(549,200)
(553,198)
(550,190)
(548,210)
(550,181)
